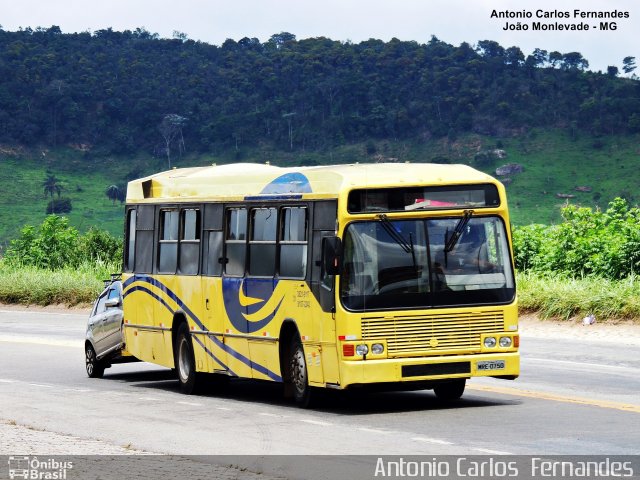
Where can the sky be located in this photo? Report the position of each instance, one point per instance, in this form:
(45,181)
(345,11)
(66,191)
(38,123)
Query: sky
(452,21)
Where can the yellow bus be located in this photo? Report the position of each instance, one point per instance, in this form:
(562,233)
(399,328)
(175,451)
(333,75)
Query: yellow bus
(386,275)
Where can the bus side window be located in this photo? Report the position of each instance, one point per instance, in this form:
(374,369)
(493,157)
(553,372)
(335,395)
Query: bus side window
(293,242)
(212,237)
(189,241)
(236,241)
(262,244)
(168,248)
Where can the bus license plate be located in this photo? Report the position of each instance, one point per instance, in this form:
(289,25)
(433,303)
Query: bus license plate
(491,365)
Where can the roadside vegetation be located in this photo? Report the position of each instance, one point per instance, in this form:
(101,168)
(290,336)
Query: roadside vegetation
(588,264)
(55,264)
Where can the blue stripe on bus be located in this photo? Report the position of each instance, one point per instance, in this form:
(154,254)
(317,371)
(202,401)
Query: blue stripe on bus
(138,288)
(245,360)
(213,356)
(144,278)
(165,289)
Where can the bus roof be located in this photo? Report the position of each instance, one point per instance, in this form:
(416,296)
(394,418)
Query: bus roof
(253,181)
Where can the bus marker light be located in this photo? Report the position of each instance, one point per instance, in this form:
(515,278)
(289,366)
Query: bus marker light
(347,337)
(348,350)
(516,341)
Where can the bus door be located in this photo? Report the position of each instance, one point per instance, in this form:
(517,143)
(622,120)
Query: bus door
(212,266)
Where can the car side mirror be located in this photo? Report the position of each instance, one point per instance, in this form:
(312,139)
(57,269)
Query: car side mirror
(112,302)
(331,255)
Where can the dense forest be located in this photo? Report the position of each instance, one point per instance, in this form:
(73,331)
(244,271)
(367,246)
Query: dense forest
(129,91)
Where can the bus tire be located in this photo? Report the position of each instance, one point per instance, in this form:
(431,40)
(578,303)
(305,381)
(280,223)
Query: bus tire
(184,360)
(450,391)
(298,374)
(94,367)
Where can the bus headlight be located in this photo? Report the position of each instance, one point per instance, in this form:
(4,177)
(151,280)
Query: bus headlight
(505,342)
(362,350)
(490,342)
(377,348)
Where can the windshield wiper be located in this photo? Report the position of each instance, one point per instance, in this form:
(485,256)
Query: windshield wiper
(457,232)
(394,234)
(398,238)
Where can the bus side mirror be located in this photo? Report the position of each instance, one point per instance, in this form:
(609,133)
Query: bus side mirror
(331,255)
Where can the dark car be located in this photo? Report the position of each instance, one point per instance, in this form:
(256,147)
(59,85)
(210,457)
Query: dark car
(104,341)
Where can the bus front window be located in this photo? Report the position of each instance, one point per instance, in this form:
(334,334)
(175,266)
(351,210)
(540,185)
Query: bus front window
(404,264)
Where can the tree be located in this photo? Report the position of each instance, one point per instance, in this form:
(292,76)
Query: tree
(628,64)
(171,128)
(574,61)
(538,58)
(612,71)
(52,185)
(514,56)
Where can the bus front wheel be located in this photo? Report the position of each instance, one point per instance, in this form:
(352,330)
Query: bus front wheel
(298,374)
(184,360)
(450,391)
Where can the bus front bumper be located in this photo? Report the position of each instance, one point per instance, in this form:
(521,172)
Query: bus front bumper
(406,370)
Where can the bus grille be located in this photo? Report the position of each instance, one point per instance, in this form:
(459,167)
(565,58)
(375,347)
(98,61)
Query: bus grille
(432,334)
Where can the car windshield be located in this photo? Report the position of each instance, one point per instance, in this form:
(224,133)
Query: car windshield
(392,264)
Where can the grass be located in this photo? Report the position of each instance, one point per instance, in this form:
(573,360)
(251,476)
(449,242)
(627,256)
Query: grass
(557,297)
(69,286)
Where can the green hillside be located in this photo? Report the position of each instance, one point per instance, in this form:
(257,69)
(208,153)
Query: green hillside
(553,162)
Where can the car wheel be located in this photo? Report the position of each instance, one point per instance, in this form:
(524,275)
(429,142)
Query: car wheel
(298,375)
(184,360)
(450,391)
(95,368)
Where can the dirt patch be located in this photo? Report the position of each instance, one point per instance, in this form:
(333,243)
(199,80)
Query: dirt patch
(81,308)
(622,333)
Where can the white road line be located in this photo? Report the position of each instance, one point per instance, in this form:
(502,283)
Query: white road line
(224,409)
(372,430)
(80,390)
(431,440)
(274,415)
(3,380)
(41,385)
(191,404)
(491,452)
(41,341)
(148,399)
(578,364)
(316,422)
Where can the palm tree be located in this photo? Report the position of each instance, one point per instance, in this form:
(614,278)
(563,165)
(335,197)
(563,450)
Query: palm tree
(113,192)
(52,185)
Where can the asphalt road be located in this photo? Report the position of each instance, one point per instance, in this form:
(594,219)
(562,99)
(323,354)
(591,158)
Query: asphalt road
(573,397)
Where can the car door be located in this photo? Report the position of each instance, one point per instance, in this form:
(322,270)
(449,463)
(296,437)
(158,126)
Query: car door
(96,323)
(112,320)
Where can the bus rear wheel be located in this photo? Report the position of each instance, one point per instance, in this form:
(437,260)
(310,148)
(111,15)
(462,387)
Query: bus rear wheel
(450,391)
(184,360)
(298,374)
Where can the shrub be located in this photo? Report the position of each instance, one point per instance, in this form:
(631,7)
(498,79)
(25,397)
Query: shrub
(59,205)
(55,245)
(604,244)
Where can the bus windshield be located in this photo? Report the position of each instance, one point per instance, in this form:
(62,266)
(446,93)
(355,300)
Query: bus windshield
(395,264)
